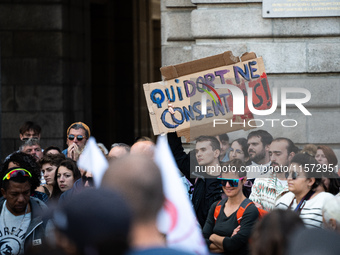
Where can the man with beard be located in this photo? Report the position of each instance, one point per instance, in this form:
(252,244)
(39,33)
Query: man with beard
(32,146)
(258,149)
(267,190)
(78,134)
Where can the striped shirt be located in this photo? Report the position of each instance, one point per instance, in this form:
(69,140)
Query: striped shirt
(311,213)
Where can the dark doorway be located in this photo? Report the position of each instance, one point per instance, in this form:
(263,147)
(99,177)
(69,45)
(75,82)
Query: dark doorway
(112,71)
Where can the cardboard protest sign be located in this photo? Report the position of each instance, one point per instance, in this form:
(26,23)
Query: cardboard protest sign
(208,92)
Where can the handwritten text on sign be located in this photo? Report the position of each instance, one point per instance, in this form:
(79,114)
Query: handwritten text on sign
(186,94)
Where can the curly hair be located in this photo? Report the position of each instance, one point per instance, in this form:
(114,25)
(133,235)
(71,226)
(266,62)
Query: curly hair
(25,161)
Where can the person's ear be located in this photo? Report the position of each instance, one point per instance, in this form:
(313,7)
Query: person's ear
(267,147)
(217,153)
(310,182)
(3,192)
(291,156)
(21,136)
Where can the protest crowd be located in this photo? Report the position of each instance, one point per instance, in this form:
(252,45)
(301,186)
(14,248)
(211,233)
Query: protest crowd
(255,195)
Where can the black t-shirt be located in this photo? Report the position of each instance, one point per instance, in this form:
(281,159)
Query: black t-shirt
(224,226)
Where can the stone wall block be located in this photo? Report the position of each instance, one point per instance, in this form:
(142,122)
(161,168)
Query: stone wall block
(224,1)
(37,44)
(8,146)
(50,122)
(178,26)
(229,22)
(280,57)
(40,98)
(273,124)
(7,99)
(278,129)
(179,3)
(30,17)
(202,51)
(76,20)
(75,46)
(325,26)
(6,44)
(323,89)
(77,2)
(176,55)
(38,1)
(322,126)
(323,57)
(77,70)
(78,99)
(31,71)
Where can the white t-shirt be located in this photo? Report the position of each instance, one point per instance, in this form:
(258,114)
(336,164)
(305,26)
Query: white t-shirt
(258,171)
(311,213)
(13,231)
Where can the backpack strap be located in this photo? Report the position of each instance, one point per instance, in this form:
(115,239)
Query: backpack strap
(239,214)
(218,208)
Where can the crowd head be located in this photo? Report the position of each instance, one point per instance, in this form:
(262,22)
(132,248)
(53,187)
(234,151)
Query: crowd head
(239,149)
(139,180)
(207,150)
(259,142)
(78,133)
(29,130)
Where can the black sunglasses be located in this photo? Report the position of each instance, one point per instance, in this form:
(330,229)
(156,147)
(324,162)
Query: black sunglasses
(232,182)
(79,137)
(32,138)
(293,174)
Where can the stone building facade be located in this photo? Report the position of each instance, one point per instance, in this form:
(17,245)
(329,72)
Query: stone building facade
(297,52)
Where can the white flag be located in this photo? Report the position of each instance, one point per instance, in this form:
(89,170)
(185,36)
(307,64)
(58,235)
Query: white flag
(93,160)
(177,219)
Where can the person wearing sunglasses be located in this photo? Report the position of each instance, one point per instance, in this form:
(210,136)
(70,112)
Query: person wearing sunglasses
(20,214)
(222,231)
(304,197)
(77,135)
(29,130)
(28,162)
